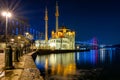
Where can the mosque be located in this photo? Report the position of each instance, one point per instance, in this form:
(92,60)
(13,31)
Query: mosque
(61,39)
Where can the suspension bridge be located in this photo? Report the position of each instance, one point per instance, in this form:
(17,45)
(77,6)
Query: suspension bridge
(89,44)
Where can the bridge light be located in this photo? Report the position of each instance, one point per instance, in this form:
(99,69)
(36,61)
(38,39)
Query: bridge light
(78,47)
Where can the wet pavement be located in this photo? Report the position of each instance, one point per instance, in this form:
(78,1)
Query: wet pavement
(25,69)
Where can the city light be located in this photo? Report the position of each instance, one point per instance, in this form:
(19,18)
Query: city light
(19,37)
(26,33)
(52,44)
(6,14)
(12,40)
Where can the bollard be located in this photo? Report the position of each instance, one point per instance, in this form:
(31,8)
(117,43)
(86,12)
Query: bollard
(25,50)
(8,58)
(16,53)
(18,48)
(21,51)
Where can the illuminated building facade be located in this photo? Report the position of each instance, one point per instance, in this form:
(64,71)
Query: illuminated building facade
(62,39)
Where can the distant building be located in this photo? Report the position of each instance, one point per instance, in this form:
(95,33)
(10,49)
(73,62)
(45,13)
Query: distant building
(41,44)
(62,39)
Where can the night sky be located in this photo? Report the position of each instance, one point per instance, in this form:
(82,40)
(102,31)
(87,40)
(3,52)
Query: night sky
(89,18)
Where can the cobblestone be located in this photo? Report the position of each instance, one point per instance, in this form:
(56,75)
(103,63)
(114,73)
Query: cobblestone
(31,74)
(23,70)
(2,60)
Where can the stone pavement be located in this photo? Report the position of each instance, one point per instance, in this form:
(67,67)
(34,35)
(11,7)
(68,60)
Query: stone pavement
(2,64)
(25,69)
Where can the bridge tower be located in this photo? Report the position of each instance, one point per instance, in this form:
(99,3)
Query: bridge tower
(95,43)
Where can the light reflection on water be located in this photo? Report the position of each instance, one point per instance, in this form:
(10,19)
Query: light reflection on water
(66,64)
(60,64)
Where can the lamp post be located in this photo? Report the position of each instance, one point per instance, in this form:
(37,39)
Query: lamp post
(12,41)
(30,37)
(19,40)
(8,52)
(7,15)
(27,36)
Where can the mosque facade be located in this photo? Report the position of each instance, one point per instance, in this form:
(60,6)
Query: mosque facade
(61,39)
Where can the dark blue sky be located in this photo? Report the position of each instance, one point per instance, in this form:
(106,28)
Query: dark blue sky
(89,18)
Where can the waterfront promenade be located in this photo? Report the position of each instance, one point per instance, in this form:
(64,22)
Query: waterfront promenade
(25,69)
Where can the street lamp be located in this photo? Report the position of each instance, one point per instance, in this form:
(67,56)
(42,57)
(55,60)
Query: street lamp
(19,40)
(7,15)
(8,52)
(27,33)
(12,40)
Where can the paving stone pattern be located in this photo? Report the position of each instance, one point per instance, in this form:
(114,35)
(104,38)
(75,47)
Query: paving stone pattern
(30,71)
(25,69)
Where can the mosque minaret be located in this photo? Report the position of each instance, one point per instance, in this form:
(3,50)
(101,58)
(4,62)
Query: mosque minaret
(46,24)
(61,38)
(57,15)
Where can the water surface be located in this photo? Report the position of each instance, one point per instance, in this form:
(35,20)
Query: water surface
(102,64)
